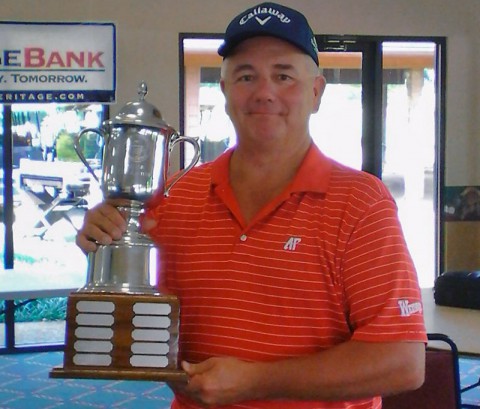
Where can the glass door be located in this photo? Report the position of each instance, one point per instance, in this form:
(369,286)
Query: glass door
(409,144)
(382,119)
(337,127)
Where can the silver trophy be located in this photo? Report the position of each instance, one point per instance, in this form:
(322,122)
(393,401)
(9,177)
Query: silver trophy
(136,160)
(119,325)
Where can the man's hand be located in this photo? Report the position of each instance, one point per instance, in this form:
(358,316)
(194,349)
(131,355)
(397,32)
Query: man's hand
(219,381)
(102,224)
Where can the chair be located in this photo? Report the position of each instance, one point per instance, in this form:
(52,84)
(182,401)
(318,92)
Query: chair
(56,197)
(441,389)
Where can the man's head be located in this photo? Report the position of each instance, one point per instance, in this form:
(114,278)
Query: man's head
(271,88)
(274,20)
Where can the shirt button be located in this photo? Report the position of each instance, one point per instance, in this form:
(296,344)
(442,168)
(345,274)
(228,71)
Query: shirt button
(243,237)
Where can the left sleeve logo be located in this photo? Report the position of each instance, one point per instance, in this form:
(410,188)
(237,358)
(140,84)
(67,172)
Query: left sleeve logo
(407,308)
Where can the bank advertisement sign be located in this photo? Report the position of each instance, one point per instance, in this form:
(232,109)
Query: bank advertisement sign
(57,62)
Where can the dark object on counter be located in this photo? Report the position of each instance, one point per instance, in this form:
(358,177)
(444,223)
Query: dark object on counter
(458,289)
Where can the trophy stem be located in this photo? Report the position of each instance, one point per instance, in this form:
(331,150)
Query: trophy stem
(128,265)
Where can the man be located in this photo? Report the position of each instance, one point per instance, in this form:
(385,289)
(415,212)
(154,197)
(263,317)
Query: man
(295,284)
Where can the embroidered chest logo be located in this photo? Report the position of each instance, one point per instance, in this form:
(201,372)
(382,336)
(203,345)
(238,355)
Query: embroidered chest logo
(407,308)
(291,243)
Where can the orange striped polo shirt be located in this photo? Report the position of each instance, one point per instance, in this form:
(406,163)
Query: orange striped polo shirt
(323,263)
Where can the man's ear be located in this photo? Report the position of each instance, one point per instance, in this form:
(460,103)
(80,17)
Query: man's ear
(318,90)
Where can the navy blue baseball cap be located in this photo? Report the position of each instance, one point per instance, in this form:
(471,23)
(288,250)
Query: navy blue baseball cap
(270,19)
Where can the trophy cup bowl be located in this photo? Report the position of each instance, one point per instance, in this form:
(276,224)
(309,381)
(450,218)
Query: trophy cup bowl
(119,325)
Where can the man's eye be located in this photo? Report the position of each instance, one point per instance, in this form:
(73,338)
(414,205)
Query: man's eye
(284,77)
(245,78)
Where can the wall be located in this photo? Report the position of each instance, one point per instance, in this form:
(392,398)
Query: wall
(147,41)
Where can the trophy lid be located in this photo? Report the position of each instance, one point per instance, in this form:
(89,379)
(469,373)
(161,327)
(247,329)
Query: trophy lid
(140,112)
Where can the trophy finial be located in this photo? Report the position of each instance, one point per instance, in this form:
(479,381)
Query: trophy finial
(142,90)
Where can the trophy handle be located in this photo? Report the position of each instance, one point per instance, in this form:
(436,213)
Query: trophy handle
(78,149)
(176,138)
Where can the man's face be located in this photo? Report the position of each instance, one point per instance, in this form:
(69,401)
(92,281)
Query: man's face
(271,89)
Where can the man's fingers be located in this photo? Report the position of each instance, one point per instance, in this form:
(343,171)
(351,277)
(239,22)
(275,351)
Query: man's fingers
(88,246)
(108,219)
(102,225)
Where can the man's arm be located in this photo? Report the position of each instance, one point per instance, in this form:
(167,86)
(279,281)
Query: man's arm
(349,371)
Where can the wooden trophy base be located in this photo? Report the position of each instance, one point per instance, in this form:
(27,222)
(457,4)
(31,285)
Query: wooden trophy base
(121,336)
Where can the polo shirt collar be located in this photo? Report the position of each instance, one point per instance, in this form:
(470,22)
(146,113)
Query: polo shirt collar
(312,176)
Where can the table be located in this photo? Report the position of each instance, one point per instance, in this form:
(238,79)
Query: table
(462,325)
(20,284)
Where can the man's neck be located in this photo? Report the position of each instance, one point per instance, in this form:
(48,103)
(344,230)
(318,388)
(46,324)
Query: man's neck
(257,177)
(266,159)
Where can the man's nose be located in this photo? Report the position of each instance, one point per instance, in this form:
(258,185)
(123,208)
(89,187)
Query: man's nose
(264,90)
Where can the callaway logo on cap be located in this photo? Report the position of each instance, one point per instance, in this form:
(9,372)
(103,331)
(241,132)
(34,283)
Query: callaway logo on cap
(270,19)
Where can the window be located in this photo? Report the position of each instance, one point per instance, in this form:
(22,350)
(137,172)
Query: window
(47,190)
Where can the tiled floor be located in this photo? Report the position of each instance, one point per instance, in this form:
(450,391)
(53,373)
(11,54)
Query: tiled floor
(469,375)
(25,384)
